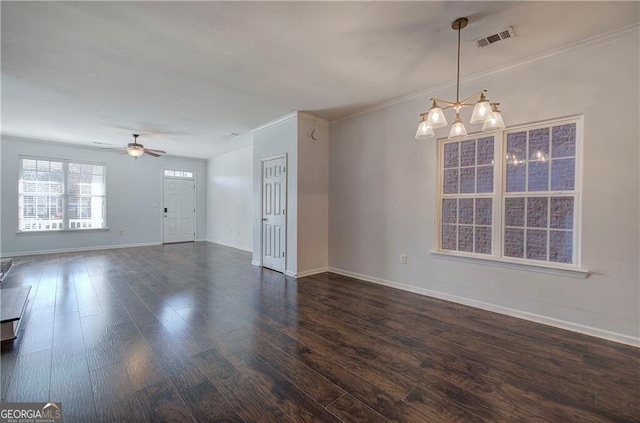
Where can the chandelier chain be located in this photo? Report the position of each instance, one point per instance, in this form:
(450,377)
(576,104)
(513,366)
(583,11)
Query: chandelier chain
(458,77)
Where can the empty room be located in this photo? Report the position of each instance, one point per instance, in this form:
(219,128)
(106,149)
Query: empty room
(320,211)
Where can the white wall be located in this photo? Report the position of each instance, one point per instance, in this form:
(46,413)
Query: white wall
(134,198)
(230,199)
(272,140)
(313,195)
(383,194)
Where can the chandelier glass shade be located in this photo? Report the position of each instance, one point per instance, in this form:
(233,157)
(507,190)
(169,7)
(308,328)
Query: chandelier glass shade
(495,121)
(135,151)
(424,130)
(484,111)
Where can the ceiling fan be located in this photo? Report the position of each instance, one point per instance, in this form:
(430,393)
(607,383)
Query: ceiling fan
(136,150)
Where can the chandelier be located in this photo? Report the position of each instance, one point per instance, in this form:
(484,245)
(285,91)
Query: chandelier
(484,111)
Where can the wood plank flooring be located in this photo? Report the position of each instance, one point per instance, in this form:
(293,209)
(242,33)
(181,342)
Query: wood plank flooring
(193,332)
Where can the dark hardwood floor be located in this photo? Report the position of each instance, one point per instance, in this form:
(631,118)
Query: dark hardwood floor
(193,332)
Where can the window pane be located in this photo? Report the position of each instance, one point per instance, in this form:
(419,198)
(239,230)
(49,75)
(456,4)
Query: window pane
(563,142)
(538,176)
(514,211)
(561,246)
(467,180)
(563,175)
(465,212)
(451,154)
(539,145)
(450,181)
(29,164)
(485,151)
(43,165)
(483,240)
(485,179)
(29,187)
(516,147)
(561,213)
(514,242)
(483,211)
(465,238)
(86,212)
(41,212)
(537,212)
(449,210)
(29,207)
(449,237)
(516,177)
(468,153)
(536,244)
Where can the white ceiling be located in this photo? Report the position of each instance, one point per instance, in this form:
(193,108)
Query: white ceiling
(188,74)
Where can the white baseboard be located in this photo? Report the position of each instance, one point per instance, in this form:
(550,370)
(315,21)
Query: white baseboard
(255,263)
(311,272)
(562,324)
(226,244)
(79,249)
(304,272)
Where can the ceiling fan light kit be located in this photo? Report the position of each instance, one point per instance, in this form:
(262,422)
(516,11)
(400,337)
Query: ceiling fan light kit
(136,150)
(484,111)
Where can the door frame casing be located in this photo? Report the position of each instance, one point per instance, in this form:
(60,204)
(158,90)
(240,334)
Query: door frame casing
(286,207)
(195,203)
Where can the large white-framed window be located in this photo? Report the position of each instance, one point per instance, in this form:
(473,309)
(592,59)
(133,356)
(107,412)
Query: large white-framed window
(513,196)
(58,194)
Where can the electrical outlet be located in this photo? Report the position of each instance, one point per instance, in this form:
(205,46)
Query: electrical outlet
(121,232)
(403,259)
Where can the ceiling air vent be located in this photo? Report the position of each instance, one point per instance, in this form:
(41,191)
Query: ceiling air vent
(501,35)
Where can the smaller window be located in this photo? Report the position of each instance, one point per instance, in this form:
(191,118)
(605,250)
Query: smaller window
(183,174)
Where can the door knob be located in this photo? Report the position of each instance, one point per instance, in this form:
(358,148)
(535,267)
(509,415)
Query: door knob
(264,219)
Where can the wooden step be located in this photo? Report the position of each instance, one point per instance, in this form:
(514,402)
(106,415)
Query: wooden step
(13,302)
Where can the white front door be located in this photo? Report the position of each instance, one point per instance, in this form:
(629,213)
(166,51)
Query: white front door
(274,201)
(179,210)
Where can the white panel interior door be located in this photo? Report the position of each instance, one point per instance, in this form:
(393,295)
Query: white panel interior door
(179,210)
(274,201)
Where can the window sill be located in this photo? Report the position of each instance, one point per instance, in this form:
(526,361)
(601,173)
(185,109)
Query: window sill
(57,231)
(571,272)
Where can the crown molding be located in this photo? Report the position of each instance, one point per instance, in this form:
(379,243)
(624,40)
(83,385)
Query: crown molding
(289,116)
(274,122)
(620,33)
(312,117)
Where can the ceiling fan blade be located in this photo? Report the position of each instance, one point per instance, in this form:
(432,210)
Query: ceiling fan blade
(151,153)
(156,151)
